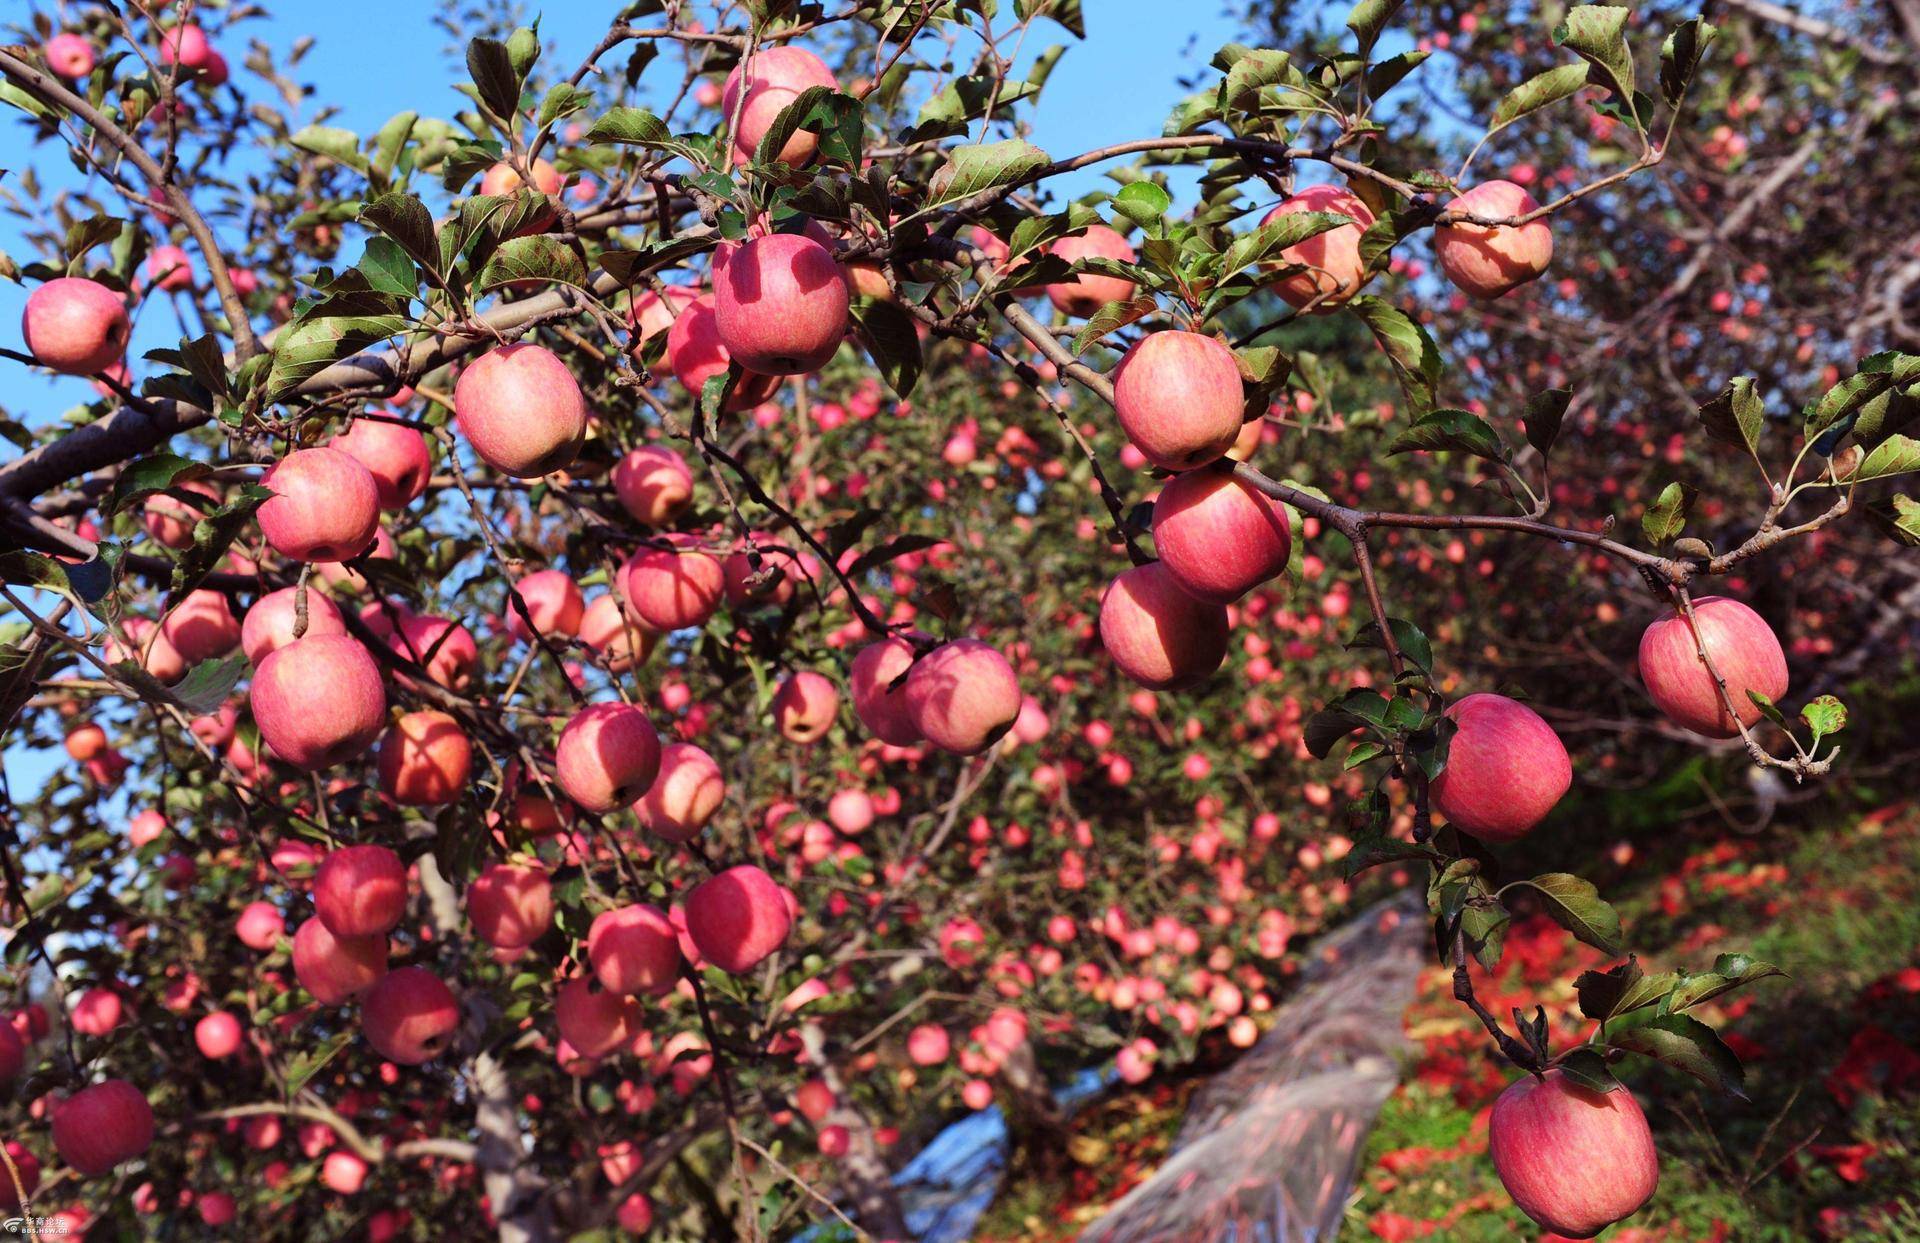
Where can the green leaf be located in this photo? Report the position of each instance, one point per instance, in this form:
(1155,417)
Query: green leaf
(1577,906)
(1597,33)
(1730,971)
(636,127)
(390,141)
(1265,243)
(1684,1043)
(84,235)
(538,258)
(523,49)
(787,123)
(1896,455)
(1415,358)
(1825,715)
(562,101)
(83,584)
(148,475)
(1667,516)
(491,66)
(1680,57)
(1142,202)
(310,1062)
(1362,753)
(1253,72)
(1620,989)
(1540,91)
(1484,924)
(1543,416)
(1737,416)
(1389,73)
(315,343)
(406,220)
(1409,638)
(1114,316)
(1335,721)
(1588,1068)
(892,341)
(340,145)
(1368,18)
(212,536)
(1898,517)
(388,268)
(977,168)
(1454,430)
(209,683)
(1768,708)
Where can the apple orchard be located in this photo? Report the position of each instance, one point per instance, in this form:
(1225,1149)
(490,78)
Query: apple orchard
(630,661)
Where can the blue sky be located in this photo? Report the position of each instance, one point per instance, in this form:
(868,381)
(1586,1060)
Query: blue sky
(373,58)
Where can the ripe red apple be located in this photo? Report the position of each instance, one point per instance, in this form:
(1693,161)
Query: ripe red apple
(1157,634)
(343,1172)
(217,1035)
(634,949)
(553,600)
(360,891)
(684,795)
(319,701)
(773,79)
(76,326)
(101,1126)
(883,711)
(928,1044)
(335,968)
(1218,536)
(593,1020)
(1334,266)
(510,905)
(268,625)
(652,314)
(325,506)
(1506,769)
(696,354)
(1485,262)
(260,926)
(185,45)
(674,588)
(168,268)
(1574,1160)
(804,706)
(1744,649)
(425,760)
(170,521)
(635,1214)
(449,660)
(607,756)
(738,917)
(1179,398)
(850,811)
(97,1012)
(615,635)
(502,179)
(409,1016)
(780,305)
(201,627)
(1087,292)
(69,55)
(963,696)
(87,742)
(522,410)
(12,1195)
(397,457)
(653,484)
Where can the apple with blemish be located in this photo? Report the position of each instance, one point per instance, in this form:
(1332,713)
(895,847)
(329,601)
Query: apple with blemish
(1334,268)
(780,305)
(1488,261)
(1086,292)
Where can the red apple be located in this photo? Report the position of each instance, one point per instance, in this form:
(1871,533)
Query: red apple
(397,457)
(963,696)
(1485,262)
(260,926)
(319,701)
(684,795)
(101,1126)
(511,906)
(772,79)
(1506,769)
(268,625)
(12,1195)
(170,521)
(217,1035)
(804,707)
(738,917)
(1087,292)
(652,314)
(409,1016)
(185,45)
(634,949)
(168,268)
(76,326)
(69,55)
(1574,1160)
(425,760)
(553,600)
(615,635)
(1218,536)
(1179,398)
(201,627)
(97,1012)
(343,1172)
(360,891)
(593,1020)
(325,507)
(928,1045)
(446,647)
(335,968)
(1157,634)
(883,710)
(673,588)
(522,410)
(1334,266)
(1744,649)
(780,305)
(653,484)
(607,756)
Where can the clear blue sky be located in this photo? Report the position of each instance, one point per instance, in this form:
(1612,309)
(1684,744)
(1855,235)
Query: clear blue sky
(373,58)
